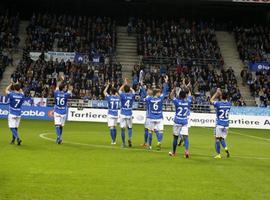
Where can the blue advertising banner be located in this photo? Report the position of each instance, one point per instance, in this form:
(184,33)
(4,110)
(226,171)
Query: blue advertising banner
(30,112)
(253,111)
(3,100)
(28,101)
(81,58)
(104,104)
(99,104)
(259,66)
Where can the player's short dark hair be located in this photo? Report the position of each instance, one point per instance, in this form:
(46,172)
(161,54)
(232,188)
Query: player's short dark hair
(155,91)
(224,96)
(17,87)
(62,86)
(127,88)
(113,91)
(182,94)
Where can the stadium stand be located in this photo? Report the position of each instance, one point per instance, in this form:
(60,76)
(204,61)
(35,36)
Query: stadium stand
(184,49)
(39,77)
(203,80)
(259,84)
(9,40)
(181,49)
(71,33)
(94,36)
(253,44)
(181,38)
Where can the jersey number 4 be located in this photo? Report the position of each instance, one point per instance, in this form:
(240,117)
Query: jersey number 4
(127,104)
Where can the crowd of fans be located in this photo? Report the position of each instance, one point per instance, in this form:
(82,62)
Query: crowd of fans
(196,58)
(253,43)
(177,38)
(9,40)
(204,80)
(181,39)
(192,45)
(39,78)
(93,35)
(9,27)
(259,84)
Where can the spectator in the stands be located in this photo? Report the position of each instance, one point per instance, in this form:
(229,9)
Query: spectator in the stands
(203,80)
(9,40)
(92,35)
(253,42)
(188,40)
(39,77)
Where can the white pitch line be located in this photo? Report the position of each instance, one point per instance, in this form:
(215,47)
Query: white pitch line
(251,136)
(43,136)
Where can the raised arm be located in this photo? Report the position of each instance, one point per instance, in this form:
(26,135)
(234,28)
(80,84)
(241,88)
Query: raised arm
(184,83)
(166,79)
(189,93)
(123,85)
(143,92)
(172,93)
(212,100)
(8,88)
(165,87)
(105,92)
(70,89)
(61,78)
(132,90)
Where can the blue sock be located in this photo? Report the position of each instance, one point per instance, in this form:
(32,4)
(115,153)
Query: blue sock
(123,136)
(160,136)
(14,133)
(157,135)
(58,132)
(150,138)
(129,133)
(112,133)
(61,131)
(145,135)
(223,143)
(18,137)
(175,141)
(186,142)
(218,146)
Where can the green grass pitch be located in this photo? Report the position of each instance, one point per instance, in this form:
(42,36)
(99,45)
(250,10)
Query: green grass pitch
(86,166)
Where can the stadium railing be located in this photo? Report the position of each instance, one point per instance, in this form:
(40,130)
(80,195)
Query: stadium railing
(168,106)
(180,61)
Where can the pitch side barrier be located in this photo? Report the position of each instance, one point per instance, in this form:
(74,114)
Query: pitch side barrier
(240,117)
(196,119)
(30,112)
